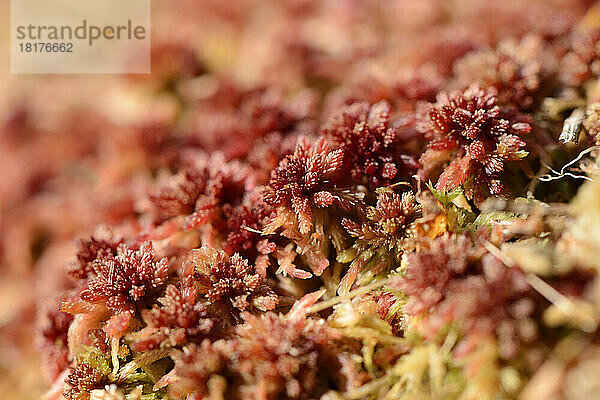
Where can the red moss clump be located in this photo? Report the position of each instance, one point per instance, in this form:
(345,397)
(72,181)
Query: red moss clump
(200,191)
(179,318)
(285,358)
(498,301)
(226,183)
(121,281)
(305,180)
(231,282)
(271,357)
(389,224)
(269,150)
(384,236)
(194,369)
(82,379)
(471,130)
(368,138)
(514,69)
(242,224)
(429,272)
(179,197)
(450,284)
(91,250)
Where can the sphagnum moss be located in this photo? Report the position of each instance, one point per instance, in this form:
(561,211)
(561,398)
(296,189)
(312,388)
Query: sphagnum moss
(333,201)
